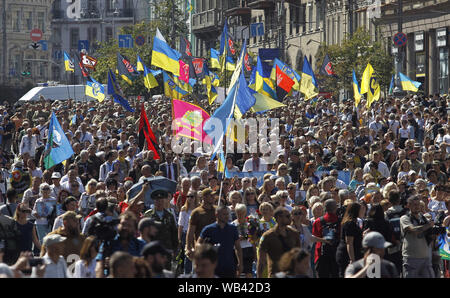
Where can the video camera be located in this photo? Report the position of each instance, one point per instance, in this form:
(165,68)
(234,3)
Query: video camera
(103,227)
(438,229)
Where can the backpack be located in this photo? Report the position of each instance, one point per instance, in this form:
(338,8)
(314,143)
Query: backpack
(10,236)
(330,231)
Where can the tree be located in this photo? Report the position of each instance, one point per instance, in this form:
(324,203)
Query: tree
(170,27)
(354,53)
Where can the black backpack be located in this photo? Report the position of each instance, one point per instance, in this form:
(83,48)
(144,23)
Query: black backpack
(10,236)
(394,222)
(330,231)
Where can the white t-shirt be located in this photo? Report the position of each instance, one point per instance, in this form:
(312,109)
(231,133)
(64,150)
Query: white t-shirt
(83,271)
(404,133)
(183,219)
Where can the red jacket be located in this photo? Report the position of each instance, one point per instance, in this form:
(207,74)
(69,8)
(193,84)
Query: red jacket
(317,231)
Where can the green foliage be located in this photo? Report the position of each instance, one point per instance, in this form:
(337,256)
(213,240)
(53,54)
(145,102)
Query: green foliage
(107,51)
(354,53)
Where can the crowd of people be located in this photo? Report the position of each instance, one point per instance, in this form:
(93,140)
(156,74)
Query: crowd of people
(349,186)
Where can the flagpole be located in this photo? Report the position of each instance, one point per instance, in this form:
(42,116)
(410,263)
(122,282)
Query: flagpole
(67,84)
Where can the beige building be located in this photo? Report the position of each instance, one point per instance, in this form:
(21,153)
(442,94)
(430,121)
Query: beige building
(18,18)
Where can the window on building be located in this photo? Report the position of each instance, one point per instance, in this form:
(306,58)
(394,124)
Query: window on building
(310,16)
(109,33)
(318,15)
(16,21)
(92,34)
(29,20)
(74,37)
(303,17)
(41,21)
(443,70)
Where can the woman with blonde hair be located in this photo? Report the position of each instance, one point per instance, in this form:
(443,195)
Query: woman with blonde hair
(282,171)
(248,248)
(391,186)
(357,179)
(87,199)
(85,266)
(183,222)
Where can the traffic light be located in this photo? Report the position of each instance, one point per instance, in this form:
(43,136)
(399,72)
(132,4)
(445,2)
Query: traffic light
(27,71)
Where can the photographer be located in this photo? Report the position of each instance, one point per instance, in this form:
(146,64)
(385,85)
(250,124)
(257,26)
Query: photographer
(416,250)
(125,240)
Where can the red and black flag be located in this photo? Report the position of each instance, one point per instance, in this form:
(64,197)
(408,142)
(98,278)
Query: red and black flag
(284,84)
(327,67)
(146,134)
(185,47)
(81,69)
(126,70)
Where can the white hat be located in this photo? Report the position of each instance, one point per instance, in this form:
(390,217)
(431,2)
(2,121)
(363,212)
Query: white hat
(53,239)
(56,175)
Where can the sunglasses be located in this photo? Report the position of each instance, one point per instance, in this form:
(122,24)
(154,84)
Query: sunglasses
(307,184)
(292,187)
(297,213)
(190,196)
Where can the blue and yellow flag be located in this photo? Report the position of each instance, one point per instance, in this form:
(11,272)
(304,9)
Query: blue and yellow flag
(370,86)
(288,71)
(408,84)
(95,90)
(139,64)
(149,78)
(163,56)
(114,90)
(262,83)
(68,63)
(215,60)
(356,90)
(221,166)
(172,89)
(308,83)
(58,147)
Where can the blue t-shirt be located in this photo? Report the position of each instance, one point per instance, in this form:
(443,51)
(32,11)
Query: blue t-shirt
(226,237)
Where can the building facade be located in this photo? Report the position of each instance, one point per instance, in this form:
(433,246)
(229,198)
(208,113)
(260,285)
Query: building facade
(426,53)
(88,25)
(18,19)
(297,28)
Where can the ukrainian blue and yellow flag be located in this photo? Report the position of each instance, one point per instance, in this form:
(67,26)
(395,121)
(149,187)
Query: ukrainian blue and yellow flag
(149,78)
(215,58)
(226,49)
(95,90)
(163,56)
(262,82)
(210,88)
(287,70)
(139,64)
(408,84)
(308,83)
(171,88)
(68,63)
(221,166)
(370,86)
(356,90)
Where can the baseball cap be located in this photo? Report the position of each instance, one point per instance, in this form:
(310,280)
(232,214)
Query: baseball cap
(375,240)
(53,239)
(148,222)
(153,248)
(159,194)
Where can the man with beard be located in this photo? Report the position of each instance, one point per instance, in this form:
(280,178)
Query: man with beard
(148,229)
(125,239)
(156,256)
(71,232)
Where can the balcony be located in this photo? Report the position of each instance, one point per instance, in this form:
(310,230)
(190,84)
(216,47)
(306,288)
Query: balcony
(238,8)
(206,21)
(261,4)
(123,13)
